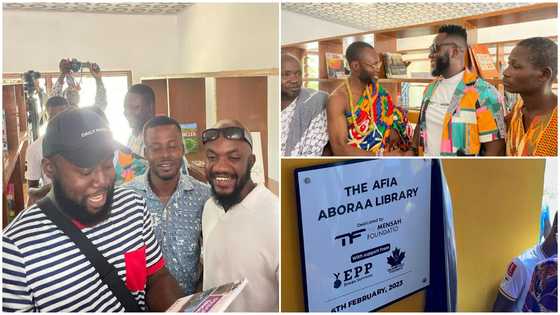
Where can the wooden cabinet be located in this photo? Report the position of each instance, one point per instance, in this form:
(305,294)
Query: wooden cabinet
(14,107)
(210,97)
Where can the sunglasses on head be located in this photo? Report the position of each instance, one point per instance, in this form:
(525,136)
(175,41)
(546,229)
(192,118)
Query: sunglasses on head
(230,133)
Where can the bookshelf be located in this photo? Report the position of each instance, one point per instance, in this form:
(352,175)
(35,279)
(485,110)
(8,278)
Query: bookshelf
(14,157)
(386,41)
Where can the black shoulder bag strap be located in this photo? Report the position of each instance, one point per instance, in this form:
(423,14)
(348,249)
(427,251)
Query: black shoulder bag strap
(107,272)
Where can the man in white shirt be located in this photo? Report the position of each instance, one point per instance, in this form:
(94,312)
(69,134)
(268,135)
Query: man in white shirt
(461,114)
(34,154)
(239,222)
(513,289)
(139,105)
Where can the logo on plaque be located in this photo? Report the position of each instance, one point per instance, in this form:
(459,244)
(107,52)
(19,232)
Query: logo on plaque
(395,260)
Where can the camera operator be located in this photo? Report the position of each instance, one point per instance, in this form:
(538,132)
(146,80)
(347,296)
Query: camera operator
(72,93)
(34,154)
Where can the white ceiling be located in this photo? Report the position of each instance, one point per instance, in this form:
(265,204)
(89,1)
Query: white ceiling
(378,16)
(89,7)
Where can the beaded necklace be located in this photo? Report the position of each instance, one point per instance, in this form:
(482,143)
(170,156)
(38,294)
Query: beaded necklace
(371,113)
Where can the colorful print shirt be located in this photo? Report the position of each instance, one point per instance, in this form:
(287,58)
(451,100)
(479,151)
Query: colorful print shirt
(475,116)
(543,290)
(540,139)
(128,165)
(371,131)
(178,226)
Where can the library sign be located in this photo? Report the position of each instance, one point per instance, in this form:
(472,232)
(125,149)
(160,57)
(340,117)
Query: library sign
(364,228)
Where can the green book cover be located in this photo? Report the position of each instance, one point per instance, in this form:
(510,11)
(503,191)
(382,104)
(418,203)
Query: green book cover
(190,137)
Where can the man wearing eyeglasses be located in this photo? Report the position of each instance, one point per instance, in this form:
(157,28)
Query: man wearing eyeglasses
(461,114)
(239,222)
(362,119)
(174,199)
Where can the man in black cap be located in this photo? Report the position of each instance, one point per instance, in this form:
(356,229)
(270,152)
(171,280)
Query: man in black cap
(44,270)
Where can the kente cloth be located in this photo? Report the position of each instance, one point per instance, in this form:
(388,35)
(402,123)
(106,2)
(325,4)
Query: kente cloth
(372,118)
(128,165)
(540,138)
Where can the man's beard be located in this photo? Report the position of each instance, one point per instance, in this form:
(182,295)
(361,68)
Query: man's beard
(365,77)
(78,211)
(442,64)
(229,200)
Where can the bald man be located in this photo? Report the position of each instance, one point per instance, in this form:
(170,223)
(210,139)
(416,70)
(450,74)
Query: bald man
(239,222)
(362,119)
(303,117)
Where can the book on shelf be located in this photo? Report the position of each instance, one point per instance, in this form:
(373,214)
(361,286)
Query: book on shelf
(483,62)
(335,65)
(190,138)
(394,65)
(212,300)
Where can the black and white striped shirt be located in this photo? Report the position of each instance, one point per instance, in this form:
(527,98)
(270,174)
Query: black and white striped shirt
(44,271)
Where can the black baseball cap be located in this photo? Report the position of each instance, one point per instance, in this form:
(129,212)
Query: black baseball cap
(80,136)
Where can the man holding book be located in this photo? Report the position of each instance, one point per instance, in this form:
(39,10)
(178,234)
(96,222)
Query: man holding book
(362,119)
(240,221)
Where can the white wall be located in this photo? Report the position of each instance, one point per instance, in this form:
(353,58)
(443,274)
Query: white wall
(228,36)
(145,44)
(242,36)
(203,38)
(300,28)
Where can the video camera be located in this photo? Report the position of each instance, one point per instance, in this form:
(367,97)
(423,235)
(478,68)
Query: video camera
(34,105)
(29,78)
(75,65)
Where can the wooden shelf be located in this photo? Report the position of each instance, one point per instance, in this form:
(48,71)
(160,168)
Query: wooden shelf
(11,160)
(218,74)
(16,135)
(383,80)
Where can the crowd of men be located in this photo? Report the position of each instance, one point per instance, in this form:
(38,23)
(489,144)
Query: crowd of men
(125,228)
(461,114)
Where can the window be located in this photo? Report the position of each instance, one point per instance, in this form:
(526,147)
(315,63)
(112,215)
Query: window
(116,85)
(311,70)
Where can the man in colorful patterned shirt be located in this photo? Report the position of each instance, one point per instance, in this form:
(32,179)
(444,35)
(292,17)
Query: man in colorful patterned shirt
(303,117)
(533,125)
(362,119)
(44,270)
(175,200)
(461,114)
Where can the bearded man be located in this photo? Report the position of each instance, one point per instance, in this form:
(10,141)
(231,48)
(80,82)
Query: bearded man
(239,222)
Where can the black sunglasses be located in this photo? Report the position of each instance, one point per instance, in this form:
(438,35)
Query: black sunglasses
(434,48)
(230,133)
